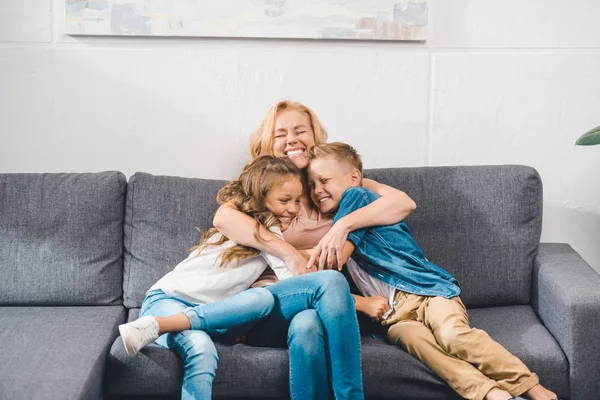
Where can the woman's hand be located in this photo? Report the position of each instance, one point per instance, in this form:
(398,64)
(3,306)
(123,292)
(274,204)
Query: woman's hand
(327,254)
(374,306)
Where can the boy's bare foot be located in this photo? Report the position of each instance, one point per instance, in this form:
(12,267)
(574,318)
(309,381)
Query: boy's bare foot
(497,394)
(538,392)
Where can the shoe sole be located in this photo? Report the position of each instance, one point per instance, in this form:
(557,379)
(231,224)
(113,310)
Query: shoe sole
(124,331)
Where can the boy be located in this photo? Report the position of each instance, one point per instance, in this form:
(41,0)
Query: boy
(426,315)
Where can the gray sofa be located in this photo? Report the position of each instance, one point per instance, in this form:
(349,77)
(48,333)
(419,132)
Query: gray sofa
(78,252)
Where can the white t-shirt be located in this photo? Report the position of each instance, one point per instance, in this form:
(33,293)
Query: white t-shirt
(199,279)
(370,286)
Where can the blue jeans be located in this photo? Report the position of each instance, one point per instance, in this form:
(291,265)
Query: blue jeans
(315,312)
(227,318)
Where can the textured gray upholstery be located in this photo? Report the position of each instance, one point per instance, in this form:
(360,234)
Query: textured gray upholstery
(566,296)
(481,223)
(56,352)
(387,370)
(61,238)
(255,372)
(521,332)
(160,226)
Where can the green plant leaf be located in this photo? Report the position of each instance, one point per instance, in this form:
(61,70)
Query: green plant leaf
(589,138)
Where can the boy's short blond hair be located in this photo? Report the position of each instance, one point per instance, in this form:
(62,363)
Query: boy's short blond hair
(341,152)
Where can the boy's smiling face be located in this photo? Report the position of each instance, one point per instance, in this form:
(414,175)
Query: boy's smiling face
(328,179)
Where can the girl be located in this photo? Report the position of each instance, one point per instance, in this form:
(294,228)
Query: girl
(290,130)
(205,295)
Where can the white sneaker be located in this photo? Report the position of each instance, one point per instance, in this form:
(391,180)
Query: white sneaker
(139,333)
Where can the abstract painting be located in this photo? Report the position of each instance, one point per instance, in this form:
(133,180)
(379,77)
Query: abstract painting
(307,19)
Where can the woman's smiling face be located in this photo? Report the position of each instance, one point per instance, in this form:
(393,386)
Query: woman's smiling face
(294,137)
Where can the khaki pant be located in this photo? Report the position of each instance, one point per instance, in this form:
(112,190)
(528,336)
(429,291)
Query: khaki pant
(436,331)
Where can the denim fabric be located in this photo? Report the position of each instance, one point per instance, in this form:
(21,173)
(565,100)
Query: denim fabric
(323,341)
(221,319)
(308,361)
(390,253)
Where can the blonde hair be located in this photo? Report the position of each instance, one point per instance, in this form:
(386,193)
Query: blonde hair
(248,194)
(262,140)
(341,152)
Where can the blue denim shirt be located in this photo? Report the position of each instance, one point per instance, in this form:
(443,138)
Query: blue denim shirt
(390,254)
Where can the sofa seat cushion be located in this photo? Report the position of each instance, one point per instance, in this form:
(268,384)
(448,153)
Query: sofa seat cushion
(520,331)
(55,352)
(388,372)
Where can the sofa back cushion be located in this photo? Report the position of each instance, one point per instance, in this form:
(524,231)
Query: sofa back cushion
(161,218)
(61,238)
(481,223)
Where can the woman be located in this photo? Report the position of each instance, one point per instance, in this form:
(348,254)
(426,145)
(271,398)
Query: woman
(290,130)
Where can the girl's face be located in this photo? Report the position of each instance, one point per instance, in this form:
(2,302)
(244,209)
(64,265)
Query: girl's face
(283,200)
(294,137)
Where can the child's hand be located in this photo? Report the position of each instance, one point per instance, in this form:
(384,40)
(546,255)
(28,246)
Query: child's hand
(374,307)
(296,263)
(306,253)
(327,254)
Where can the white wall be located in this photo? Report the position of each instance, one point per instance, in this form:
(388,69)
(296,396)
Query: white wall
(499,82)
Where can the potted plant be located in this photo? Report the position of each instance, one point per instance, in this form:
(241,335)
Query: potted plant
(589,138)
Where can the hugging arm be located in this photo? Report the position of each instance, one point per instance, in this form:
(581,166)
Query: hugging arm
(391,207)
(375,306)
(239,227)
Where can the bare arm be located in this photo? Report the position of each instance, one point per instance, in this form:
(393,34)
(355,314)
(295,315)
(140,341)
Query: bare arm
(374,306)
(239,227)
(306,253)
(392,207)
(345,254)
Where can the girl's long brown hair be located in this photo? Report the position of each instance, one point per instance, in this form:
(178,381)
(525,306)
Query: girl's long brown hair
(248,193)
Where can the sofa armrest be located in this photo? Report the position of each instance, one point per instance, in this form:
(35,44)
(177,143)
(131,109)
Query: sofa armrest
(566,297)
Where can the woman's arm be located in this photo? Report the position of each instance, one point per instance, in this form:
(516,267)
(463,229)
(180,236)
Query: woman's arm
(392,207)
(239,227)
